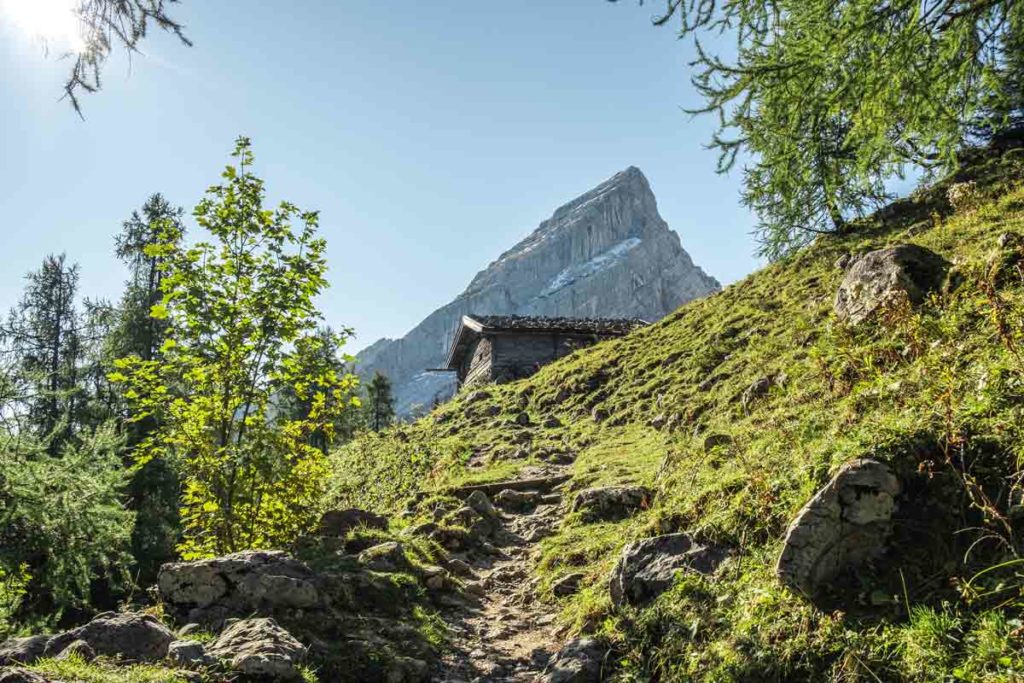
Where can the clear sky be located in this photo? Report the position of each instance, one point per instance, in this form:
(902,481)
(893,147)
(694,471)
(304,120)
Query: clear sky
(431,136)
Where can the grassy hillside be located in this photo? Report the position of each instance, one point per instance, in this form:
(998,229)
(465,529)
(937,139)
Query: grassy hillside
(937,390)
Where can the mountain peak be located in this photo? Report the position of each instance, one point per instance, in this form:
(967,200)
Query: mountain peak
(605,254)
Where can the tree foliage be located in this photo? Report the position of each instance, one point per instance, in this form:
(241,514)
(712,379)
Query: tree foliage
(43,339)
(825,101)
(324,349)
(106,24)
(380,404)
(62,520)
(241,325)
(153,491)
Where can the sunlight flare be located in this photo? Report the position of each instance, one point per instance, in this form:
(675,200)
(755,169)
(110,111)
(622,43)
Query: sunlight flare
(55,22)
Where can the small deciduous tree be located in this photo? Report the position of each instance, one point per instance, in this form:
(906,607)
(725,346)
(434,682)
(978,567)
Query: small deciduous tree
(240,319)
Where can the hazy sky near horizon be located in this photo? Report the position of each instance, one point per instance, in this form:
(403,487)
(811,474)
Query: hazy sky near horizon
(431,137)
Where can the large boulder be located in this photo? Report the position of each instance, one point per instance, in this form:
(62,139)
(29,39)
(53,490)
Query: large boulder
(261,649)
(581,661)
(845,524)
(647,568)
(880,277)
(609,503)
(22,650)
(208,591)
(130,635)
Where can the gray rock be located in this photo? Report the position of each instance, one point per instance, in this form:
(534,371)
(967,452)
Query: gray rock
(188,653)
(599,414)
(22,650)
(845,524)
(713,441)
(476,396)
(880,277)
(385,557)
(756,390)
(434,578)
(407,670)
(479,501)
(209,591)
(551,422)
(567,585)
(523,419)
(609,503)
(14,675)
(607,253)
(459,567)
(519,501)
(131,635)
(647,568)
(78,649)
(261,649)
(581,660)
(337,523)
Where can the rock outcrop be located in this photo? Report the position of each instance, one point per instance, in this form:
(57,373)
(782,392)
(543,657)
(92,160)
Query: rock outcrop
(260,649)
(647,568)
(845,524)
(607,253)
(254,581)
(325,598)
(881,277)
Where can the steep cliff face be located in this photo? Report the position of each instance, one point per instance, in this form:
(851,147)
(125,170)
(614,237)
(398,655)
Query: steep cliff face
(607,253)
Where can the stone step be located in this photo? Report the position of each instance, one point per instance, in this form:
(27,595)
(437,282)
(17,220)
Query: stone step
(539,484)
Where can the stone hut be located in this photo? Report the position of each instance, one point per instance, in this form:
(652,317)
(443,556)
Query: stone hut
(497,348)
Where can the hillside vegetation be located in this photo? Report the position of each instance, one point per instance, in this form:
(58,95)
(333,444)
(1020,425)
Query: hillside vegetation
(735,410)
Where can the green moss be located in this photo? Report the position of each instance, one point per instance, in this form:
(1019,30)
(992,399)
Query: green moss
(937,390)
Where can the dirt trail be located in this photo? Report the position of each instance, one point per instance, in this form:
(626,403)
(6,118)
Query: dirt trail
(503,633)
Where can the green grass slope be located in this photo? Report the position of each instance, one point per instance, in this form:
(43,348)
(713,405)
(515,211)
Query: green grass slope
(937,390)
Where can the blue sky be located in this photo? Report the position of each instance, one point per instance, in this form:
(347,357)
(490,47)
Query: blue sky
(431,136)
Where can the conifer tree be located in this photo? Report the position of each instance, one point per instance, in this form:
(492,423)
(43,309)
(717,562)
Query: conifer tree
(106,24)
(43,337)
(825,102)
(133,332)
(380,405)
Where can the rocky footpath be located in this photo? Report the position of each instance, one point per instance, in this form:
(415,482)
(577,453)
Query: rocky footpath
(606,254)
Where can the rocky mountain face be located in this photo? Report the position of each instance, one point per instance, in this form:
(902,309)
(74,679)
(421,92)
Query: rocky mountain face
(607,253)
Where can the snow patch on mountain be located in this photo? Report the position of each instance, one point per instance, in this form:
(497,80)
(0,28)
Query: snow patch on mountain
(602,261)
